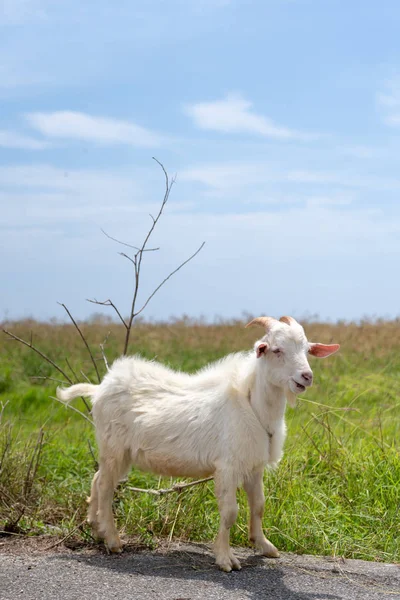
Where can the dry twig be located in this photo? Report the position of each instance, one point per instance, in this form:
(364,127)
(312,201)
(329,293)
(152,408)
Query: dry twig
(177,487)
(109,303)
(32,347)
(65,537)
(136,260)
(2,409)
(103,352)
(72,408)
(33,465)
(83,339)
(95,462)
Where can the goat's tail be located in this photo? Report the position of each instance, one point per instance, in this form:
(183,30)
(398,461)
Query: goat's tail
(80,389)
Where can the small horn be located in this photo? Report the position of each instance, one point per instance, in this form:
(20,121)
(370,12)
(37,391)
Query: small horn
(288,320)
(266,322)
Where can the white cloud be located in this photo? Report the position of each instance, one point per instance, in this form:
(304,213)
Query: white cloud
(43,194)
(234,114)
(49,177)
(101,130)
(329,200)
(389,102)
(344,179)
(35,194)
(239,178)
(10,139)
(320,177)
(228,176)
(363,151)
(262,185)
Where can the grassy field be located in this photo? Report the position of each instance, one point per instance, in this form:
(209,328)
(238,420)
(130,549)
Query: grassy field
(336,492)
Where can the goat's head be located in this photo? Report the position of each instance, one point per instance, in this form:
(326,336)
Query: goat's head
(285,349)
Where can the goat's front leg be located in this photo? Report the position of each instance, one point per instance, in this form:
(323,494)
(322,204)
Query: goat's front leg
(225,491)
(253,487)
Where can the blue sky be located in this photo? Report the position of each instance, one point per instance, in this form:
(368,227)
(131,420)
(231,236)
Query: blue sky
(280,118)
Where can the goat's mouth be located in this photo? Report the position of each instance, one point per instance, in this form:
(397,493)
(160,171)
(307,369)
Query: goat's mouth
(298,388)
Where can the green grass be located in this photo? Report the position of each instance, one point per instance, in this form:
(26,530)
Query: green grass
(336,491)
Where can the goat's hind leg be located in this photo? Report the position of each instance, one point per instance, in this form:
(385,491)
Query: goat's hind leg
(93,503)
(110,472)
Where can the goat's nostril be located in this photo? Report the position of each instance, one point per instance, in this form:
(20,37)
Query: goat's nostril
(307,376)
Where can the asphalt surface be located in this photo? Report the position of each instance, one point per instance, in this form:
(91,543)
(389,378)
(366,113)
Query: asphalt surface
(186,572)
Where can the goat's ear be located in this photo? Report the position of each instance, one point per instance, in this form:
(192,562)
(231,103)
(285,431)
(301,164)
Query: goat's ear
(261,349)
(323,350)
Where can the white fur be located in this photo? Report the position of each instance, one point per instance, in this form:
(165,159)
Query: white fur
(227,420)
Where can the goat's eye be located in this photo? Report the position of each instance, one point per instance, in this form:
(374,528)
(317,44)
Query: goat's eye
(277,351)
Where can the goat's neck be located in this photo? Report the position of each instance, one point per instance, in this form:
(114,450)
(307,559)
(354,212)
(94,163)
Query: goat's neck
(267,400)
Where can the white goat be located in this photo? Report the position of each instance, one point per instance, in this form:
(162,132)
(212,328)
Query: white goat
(227,420)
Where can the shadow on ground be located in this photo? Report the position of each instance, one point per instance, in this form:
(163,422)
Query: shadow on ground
(259,577)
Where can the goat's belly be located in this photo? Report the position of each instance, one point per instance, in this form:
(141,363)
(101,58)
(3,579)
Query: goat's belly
(170,466)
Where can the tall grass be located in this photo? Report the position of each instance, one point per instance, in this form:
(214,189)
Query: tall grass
(336,491)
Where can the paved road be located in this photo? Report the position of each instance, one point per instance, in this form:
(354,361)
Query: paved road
(187,572)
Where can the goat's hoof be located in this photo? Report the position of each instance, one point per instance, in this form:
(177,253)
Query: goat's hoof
(267,549)
(114,546)
(270,551)
(114,549)
(94,526)
(229,563)
(236,566)
(226,567)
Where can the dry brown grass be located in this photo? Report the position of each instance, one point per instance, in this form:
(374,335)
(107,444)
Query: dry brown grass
(378,337)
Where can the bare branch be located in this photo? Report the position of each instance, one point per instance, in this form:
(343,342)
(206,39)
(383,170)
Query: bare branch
(177,487)
(164,170)
(108,303)
(139,256)
(85,376)
(72,408)
(125,244)
(34,463)
(119,241)
(133,260)
(102,351)
(166,279)
(135,293)
(168,187)
(47,378)
(83,339)
(95,462)
(71,369)
(2,409)
(46,358)
(85,402)
(8,437)
(75,529)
